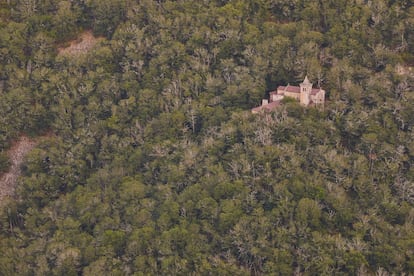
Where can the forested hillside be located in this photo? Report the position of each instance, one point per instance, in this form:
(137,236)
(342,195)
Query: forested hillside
(151,163)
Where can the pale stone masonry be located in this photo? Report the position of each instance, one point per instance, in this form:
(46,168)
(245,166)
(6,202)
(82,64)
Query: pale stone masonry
(304,93)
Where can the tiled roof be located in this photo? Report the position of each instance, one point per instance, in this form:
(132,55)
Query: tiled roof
(294,89)
(290,88)
(315,91)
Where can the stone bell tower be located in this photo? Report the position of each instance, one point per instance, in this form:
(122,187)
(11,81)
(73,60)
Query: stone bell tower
(305,91)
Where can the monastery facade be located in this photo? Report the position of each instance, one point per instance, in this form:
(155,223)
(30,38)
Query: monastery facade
(304,93)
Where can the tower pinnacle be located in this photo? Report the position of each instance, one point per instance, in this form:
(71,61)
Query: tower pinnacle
(306,80)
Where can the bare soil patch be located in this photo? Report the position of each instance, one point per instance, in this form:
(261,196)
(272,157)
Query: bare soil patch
(404,70)
(16,154)
(84,43)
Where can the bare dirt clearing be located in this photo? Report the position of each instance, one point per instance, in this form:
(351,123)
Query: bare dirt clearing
(84,43)
(404,70)
(16,154)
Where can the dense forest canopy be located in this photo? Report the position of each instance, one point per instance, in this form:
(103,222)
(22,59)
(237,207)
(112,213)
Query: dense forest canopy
(153,165)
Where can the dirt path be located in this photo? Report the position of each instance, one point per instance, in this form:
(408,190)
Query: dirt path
(16,154)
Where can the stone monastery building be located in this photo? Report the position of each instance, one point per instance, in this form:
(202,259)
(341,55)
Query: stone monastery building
(304,93)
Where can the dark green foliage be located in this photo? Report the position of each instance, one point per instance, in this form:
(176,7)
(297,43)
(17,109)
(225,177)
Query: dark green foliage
(154,164)
(4,162)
